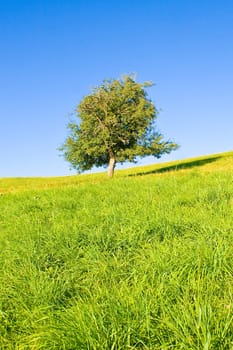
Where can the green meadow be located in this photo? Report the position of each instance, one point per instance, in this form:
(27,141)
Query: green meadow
(142,261)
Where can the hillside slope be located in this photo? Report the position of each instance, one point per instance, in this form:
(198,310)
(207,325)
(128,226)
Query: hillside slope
(215,162)
(143,261)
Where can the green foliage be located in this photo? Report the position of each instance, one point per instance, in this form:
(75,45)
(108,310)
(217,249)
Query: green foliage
(142,262)
(116,121)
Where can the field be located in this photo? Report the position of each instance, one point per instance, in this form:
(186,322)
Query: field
(143,261)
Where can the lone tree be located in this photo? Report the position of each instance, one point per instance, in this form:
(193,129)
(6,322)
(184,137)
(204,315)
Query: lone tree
(116,123)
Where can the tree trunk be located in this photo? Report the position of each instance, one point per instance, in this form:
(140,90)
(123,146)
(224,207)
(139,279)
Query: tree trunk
(111,166)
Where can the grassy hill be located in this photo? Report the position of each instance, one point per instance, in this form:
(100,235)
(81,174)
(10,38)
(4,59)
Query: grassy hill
(143,261)
(209,163)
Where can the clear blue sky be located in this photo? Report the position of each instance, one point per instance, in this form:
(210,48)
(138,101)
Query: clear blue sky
(54,51)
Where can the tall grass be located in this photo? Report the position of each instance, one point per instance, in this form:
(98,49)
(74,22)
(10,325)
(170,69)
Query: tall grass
(140,262)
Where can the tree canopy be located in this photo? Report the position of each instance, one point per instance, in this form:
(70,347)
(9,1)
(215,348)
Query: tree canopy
(116,123)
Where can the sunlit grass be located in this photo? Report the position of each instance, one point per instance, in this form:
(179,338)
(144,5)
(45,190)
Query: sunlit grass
(143,261)
(218,162)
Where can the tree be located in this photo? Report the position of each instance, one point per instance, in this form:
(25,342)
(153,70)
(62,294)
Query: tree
(116,123)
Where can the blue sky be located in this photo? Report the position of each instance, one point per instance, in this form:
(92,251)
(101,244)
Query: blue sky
(53,52)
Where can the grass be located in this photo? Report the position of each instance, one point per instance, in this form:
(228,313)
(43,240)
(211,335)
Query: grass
(140,262)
